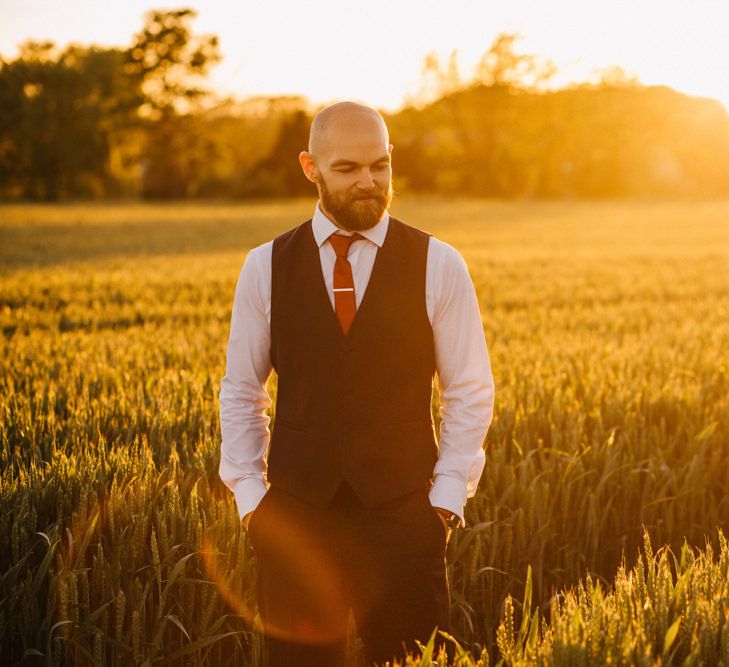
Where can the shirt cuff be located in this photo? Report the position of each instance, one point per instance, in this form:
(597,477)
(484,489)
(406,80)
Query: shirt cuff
(248,493)
(450,494)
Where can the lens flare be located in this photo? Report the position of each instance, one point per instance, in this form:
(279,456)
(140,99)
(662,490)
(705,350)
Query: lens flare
(310,570)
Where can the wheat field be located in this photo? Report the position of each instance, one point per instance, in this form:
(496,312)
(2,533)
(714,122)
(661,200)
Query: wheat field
(608,331)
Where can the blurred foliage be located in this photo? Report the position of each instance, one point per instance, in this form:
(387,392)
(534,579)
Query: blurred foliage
(88,122)
(587,141)
(62,116)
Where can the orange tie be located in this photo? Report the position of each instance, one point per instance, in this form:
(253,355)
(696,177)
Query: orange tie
(344,301)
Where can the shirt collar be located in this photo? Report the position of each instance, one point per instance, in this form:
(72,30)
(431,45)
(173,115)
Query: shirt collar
(323,228)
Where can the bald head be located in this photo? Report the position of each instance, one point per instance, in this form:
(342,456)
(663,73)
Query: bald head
(344,119)
(349,160)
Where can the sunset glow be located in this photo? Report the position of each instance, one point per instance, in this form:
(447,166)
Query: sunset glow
(374,52)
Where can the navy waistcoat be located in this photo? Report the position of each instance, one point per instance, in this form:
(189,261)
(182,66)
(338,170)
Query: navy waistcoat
(354,407)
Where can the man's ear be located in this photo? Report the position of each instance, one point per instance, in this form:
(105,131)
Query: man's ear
(306,160)
(389,149)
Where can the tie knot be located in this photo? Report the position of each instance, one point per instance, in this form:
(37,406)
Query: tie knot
(341,243)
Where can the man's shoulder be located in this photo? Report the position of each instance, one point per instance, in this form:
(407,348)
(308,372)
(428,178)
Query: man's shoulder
(434,242)
(406,228)
(441,255)
(292,235)
(444,259)
(408,236)
(260,253)
(443,249)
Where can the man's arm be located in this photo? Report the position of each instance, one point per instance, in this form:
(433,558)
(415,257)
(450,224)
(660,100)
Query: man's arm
(243,396)
(464,375)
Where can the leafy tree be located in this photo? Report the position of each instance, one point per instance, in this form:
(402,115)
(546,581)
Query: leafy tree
(436,79)
(58,112)
(170,62)
(500,65)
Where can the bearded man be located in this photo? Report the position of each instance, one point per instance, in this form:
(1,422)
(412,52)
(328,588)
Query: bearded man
(350,502)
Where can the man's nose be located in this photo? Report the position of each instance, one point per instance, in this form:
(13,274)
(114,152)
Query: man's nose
(366,182)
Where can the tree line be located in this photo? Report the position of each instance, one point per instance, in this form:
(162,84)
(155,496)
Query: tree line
(138,122)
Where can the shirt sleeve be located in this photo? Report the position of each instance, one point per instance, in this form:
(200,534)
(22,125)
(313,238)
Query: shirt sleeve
(243,396)
(465,380)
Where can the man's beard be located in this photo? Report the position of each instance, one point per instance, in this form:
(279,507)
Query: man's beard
(352,214)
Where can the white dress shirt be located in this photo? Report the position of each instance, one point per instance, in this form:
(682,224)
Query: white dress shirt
(464,372)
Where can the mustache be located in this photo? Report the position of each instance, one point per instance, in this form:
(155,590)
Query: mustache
(372,194)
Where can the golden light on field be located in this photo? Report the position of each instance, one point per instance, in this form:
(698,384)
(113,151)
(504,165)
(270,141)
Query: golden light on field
(374,51)
(608,331)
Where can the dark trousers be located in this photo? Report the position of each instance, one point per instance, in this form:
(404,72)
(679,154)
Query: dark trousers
(387,563)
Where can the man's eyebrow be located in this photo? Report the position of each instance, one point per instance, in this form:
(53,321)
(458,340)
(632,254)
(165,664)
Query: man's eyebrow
(348,163)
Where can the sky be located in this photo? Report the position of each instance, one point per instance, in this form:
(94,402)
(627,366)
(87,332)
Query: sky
(373,51)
